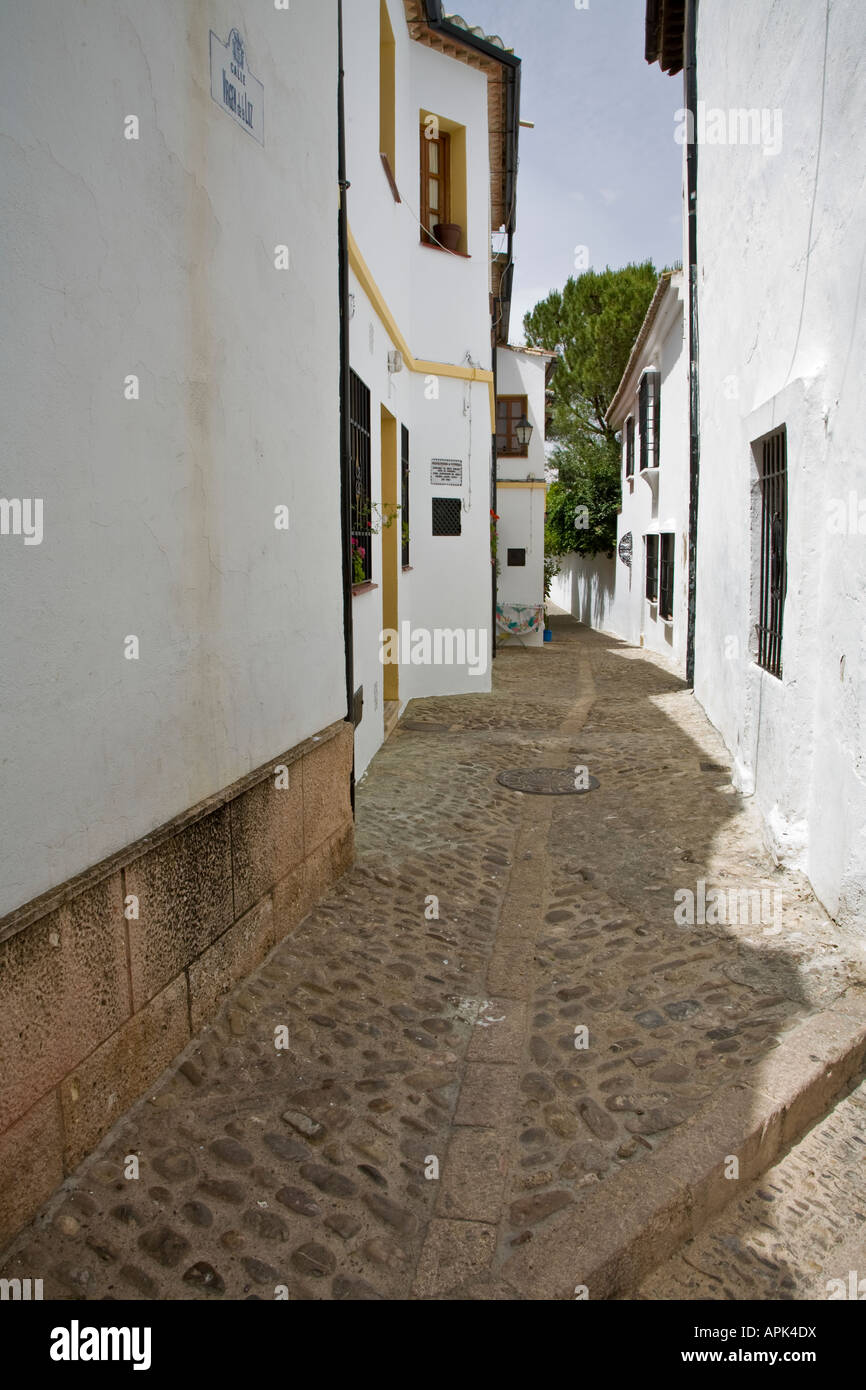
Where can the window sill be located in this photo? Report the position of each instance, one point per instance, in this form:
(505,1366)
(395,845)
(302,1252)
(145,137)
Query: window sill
(365,588)
(464,255)
(763,671)
(392,182)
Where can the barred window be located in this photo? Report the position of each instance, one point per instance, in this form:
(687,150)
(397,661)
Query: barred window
(649,410)
(446,516)
(773,478)
(666,575)
(404,494)
(652,568)
(359,423)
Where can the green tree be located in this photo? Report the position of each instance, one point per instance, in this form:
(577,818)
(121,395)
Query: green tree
(591,324)
(582,506)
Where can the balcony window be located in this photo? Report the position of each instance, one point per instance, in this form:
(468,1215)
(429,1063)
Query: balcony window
(509,410)
(443,197)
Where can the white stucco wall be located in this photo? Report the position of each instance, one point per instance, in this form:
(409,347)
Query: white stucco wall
(662,504)
(782,340)
(521,509)
(440,305)
(433,297)
(586,588)
(603,591)
(449,584)
(156,257)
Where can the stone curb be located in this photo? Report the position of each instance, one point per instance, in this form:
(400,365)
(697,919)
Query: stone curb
(623,1228)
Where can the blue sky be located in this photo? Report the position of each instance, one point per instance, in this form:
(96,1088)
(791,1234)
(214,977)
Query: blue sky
(601,169)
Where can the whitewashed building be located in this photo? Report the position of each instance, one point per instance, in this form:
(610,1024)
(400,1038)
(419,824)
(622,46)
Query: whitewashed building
(176,762)
(521,396)
(432,121)
(772,118)
(650,410)
(640,593)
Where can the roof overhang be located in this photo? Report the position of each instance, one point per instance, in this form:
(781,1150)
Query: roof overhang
(665,34)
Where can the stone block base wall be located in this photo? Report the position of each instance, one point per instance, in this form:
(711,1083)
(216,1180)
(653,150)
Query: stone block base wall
(95,1002)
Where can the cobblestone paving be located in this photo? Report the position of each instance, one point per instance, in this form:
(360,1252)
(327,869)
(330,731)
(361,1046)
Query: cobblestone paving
(791,1235)
(420,1042)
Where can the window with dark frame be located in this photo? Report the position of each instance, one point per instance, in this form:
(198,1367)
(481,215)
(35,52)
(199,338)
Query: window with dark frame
(666,575)
(509,410)
(629,447)
(649,410)
(435,153)
(773,479)
(404,495)
(447,516)
(652,568)
(515,556)
(359,425)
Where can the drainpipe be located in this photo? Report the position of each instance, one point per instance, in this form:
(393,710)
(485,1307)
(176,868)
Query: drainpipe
(345,432)
(691,100)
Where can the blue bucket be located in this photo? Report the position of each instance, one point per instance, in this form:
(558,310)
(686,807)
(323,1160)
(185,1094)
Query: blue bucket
(548,635)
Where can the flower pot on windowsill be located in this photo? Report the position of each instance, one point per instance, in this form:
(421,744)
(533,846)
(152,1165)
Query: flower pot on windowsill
(448,234)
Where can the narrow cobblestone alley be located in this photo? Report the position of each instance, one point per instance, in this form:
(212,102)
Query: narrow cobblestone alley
(420,1043)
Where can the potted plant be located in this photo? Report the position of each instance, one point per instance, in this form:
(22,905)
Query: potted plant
(448,234)
(358,557)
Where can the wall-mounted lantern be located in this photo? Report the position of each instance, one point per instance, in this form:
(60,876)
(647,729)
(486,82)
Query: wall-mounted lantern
(523,431)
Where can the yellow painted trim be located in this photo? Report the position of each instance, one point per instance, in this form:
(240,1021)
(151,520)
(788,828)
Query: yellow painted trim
(514,482)
(374,294)
(449,369)
(377,299)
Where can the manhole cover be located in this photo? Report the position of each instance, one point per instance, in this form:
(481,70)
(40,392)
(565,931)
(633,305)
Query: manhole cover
(547,781)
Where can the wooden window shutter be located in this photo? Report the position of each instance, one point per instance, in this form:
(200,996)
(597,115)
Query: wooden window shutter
(434,184)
